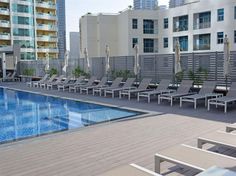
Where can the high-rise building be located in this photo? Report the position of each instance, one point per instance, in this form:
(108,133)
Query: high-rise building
(32,25)
(74,45)
(176,3)
(61,13)
(145,4)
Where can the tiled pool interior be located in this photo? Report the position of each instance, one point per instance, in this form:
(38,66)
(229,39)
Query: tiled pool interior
(24,115)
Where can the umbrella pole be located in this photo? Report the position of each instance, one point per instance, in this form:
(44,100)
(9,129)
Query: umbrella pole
(226,83)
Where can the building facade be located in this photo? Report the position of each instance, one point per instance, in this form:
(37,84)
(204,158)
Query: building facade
(198,28)
(145,4)
(61,13)
(32,24)
(176,3)
(74,45)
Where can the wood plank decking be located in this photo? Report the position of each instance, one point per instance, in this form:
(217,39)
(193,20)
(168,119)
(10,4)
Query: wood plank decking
(94,150)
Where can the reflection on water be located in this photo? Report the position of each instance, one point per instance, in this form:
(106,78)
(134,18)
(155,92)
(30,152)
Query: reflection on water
(25,115)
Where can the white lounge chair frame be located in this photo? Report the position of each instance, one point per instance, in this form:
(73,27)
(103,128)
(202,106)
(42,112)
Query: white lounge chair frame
(101,84)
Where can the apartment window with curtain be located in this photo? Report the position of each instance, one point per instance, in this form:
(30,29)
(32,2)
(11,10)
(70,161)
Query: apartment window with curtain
(220,37)
(166,23)
(165,42)
(220,15)
(135,23)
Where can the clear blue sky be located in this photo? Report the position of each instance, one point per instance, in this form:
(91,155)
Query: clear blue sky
(76,8)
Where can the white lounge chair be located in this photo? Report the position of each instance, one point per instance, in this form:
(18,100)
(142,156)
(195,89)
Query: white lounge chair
(161,89)
(183,90)
(135,90)
(115,84)
(218,138)
(224,101)
(195,158)
(36,83)
(101,84)
(205,93)
(44,84)
(77,82)
(130,170)
(77,87)
(127,85)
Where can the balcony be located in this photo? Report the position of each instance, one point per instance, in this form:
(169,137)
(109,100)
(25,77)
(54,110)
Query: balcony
(46,16)
(46,38)
(4,23)
(6,1)
(46,27)
(202,25)
(48,5)
(5,36)
(4,11)
(201,47)
(47,50)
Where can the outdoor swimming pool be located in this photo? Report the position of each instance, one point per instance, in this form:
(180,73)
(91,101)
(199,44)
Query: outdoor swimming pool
(24,115)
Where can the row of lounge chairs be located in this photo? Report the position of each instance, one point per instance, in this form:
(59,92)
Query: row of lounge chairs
(183,93)
(191,157)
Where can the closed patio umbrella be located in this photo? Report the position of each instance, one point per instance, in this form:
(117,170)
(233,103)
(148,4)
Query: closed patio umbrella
(15,64)
(87,62)
(66,59)
(107,60)
(226,59)
(177,58)
(47,66)
(136,62)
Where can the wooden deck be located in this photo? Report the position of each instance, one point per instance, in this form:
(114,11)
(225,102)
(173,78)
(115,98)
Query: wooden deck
(94,150)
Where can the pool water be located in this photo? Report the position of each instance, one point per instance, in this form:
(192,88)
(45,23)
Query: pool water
(24,115)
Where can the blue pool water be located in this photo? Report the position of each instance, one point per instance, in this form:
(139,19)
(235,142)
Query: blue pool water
(24,115)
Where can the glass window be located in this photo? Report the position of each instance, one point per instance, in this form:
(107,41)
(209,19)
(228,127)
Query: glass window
(235,12)
(234,36)
(135,23)
(183,42)
(180,23)
(166,24)
(23,20)
(165,42)
(25,43)
(220,37)
(23,32)
(148,26)
(134,42)
(148,45)
(27,56)
(22,8)
(220,15)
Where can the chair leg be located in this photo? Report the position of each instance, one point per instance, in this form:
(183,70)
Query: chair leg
(195,103)
(208,106)
(138,97)
(171,101)
(180,102)
(225,107)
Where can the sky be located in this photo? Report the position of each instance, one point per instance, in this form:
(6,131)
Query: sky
(77,8)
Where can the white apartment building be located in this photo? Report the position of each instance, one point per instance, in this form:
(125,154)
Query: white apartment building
(197,26)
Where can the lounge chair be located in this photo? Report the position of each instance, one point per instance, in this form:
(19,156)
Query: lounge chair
(195,158)
(205,93)
(224,101)
(77,82)
(36,83)
(230,128)
(101,84)
(218,138)
(55,83)
(61,83)
(77,87)
(44,84)
(130,170)
(115,84)
(141,88)
(11,77)
(183,90)
(127,85)
(161,89)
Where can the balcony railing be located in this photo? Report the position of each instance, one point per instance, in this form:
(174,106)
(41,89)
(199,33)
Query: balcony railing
(48,4)
(5,36)
(47,27)
(46,16)
(47,49)
(47,38)
(202,47)
(4,23)
(4,11)
(202,25)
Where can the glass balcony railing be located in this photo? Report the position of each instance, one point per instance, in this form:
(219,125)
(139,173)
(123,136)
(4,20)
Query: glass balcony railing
(202,25)
(48,4)
(202,47)
(4,23)
(4,11)
(46,16)
(44,49)
(5,36)
(47,38)
(47,27)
